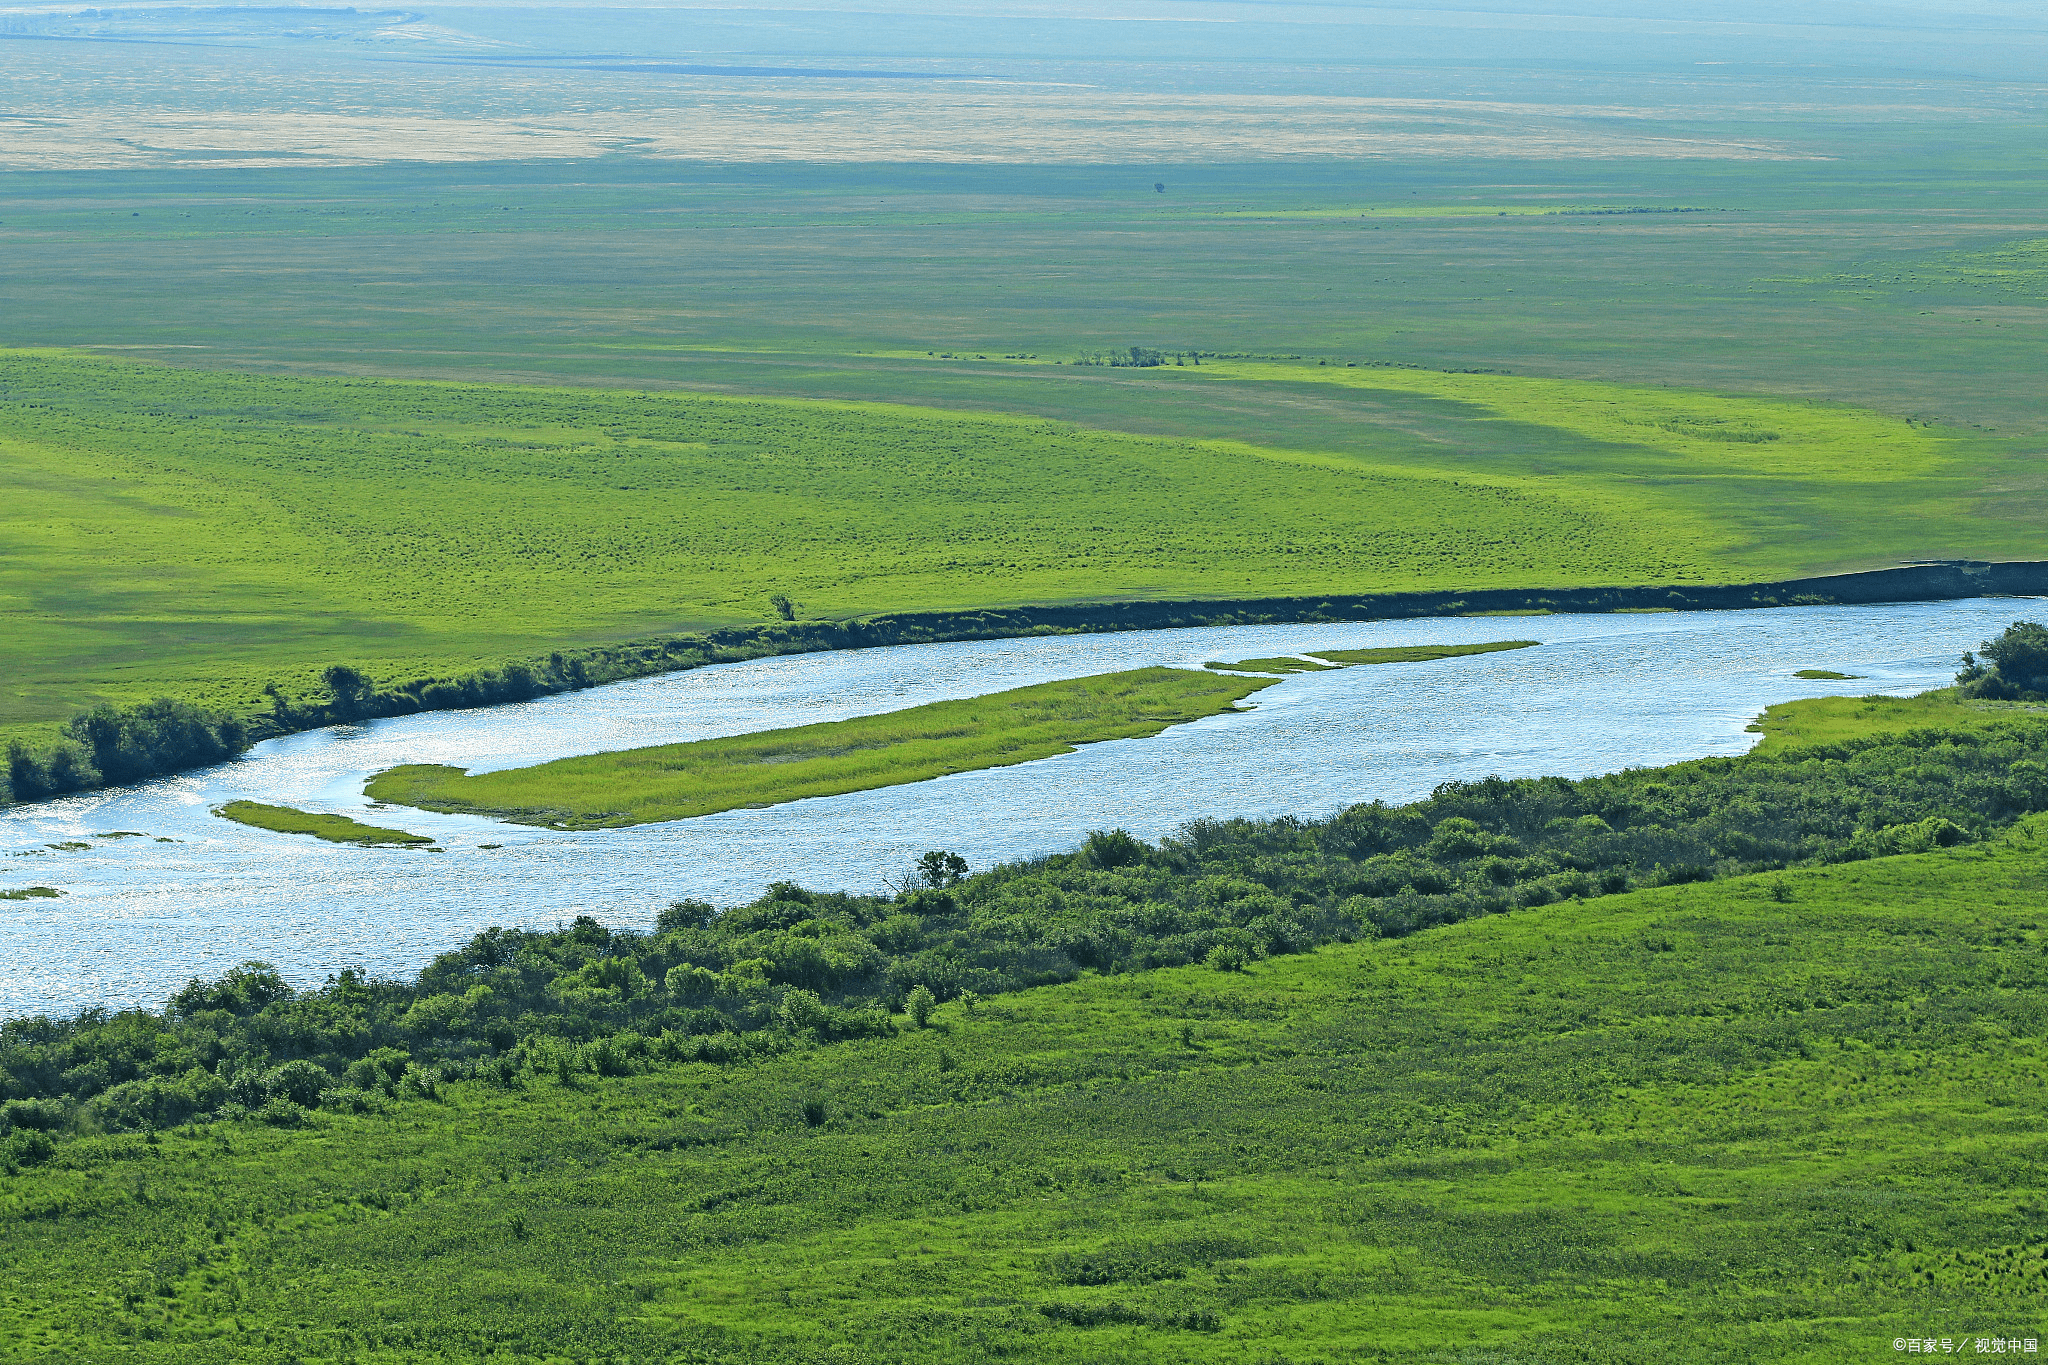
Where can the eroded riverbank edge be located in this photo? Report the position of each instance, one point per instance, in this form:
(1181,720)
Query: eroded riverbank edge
(649,656)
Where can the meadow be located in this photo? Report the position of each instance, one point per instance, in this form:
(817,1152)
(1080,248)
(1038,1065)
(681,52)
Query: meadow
(226,538)
(1784,1117)
(1446,373)
(676,781)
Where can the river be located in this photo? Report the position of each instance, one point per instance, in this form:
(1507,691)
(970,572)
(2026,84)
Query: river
(190,894)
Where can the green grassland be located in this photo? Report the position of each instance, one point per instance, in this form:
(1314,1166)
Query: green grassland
(1787,1118)
(770,278)
(202,533)
(337,829)
(1834,720)
(1665,395)
(676,781)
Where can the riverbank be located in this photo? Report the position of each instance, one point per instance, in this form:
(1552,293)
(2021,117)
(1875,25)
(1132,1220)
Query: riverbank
(574,670)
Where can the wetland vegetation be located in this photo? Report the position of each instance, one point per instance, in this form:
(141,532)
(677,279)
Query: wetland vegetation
(337,829)
(676,781)
(1314,660)
(1724,1061)
(1163,1099)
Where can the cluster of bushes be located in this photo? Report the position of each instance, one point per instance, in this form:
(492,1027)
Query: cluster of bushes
(1133,357)
(800,967)
(112,744)
(2012,667)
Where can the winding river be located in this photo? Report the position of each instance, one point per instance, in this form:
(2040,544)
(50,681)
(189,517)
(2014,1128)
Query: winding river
(189,894)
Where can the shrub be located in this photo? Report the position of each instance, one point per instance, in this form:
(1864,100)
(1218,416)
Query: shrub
(800,1011)
(297,1082)
(919,1005)
(27,1148)
(1228,957)
(1113,848)
(279,1112)
(36,1115)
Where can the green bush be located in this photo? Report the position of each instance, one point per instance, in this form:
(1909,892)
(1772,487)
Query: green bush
(27,1147)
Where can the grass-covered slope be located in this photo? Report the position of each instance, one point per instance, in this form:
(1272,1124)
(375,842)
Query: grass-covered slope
(1784,1118)
(675,781)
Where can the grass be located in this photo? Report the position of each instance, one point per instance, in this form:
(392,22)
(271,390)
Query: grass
(1658,359)
(31,893)
(1831,720)
(202,534)
(1825,675)
(1391,654)
(676,781)
(337,829)
(410,270)
(1285,664)
(1788,1117)
(1415,654)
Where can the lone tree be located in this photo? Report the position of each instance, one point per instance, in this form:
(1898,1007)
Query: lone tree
(919,1004)
(940,869)
(784,608)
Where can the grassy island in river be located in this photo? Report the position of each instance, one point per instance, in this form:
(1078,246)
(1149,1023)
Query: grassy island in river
(1319,659)
(337,829)
(675,781)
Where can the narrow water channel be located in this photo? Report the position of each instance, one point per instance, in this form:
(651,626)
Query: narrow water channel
(189,894)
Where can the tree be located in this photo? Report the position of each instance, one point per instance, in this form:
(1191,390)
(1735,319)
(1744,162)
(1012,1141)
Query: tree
(801,1011)
(940,869)
(2018,660)
(919,1005)
(26,777)
(685,914)
(347,686)
(70,770)
(784,608)
(1114,848)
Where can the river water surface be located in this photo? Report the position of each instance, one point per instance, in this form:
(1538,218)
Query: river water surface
(139,915)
